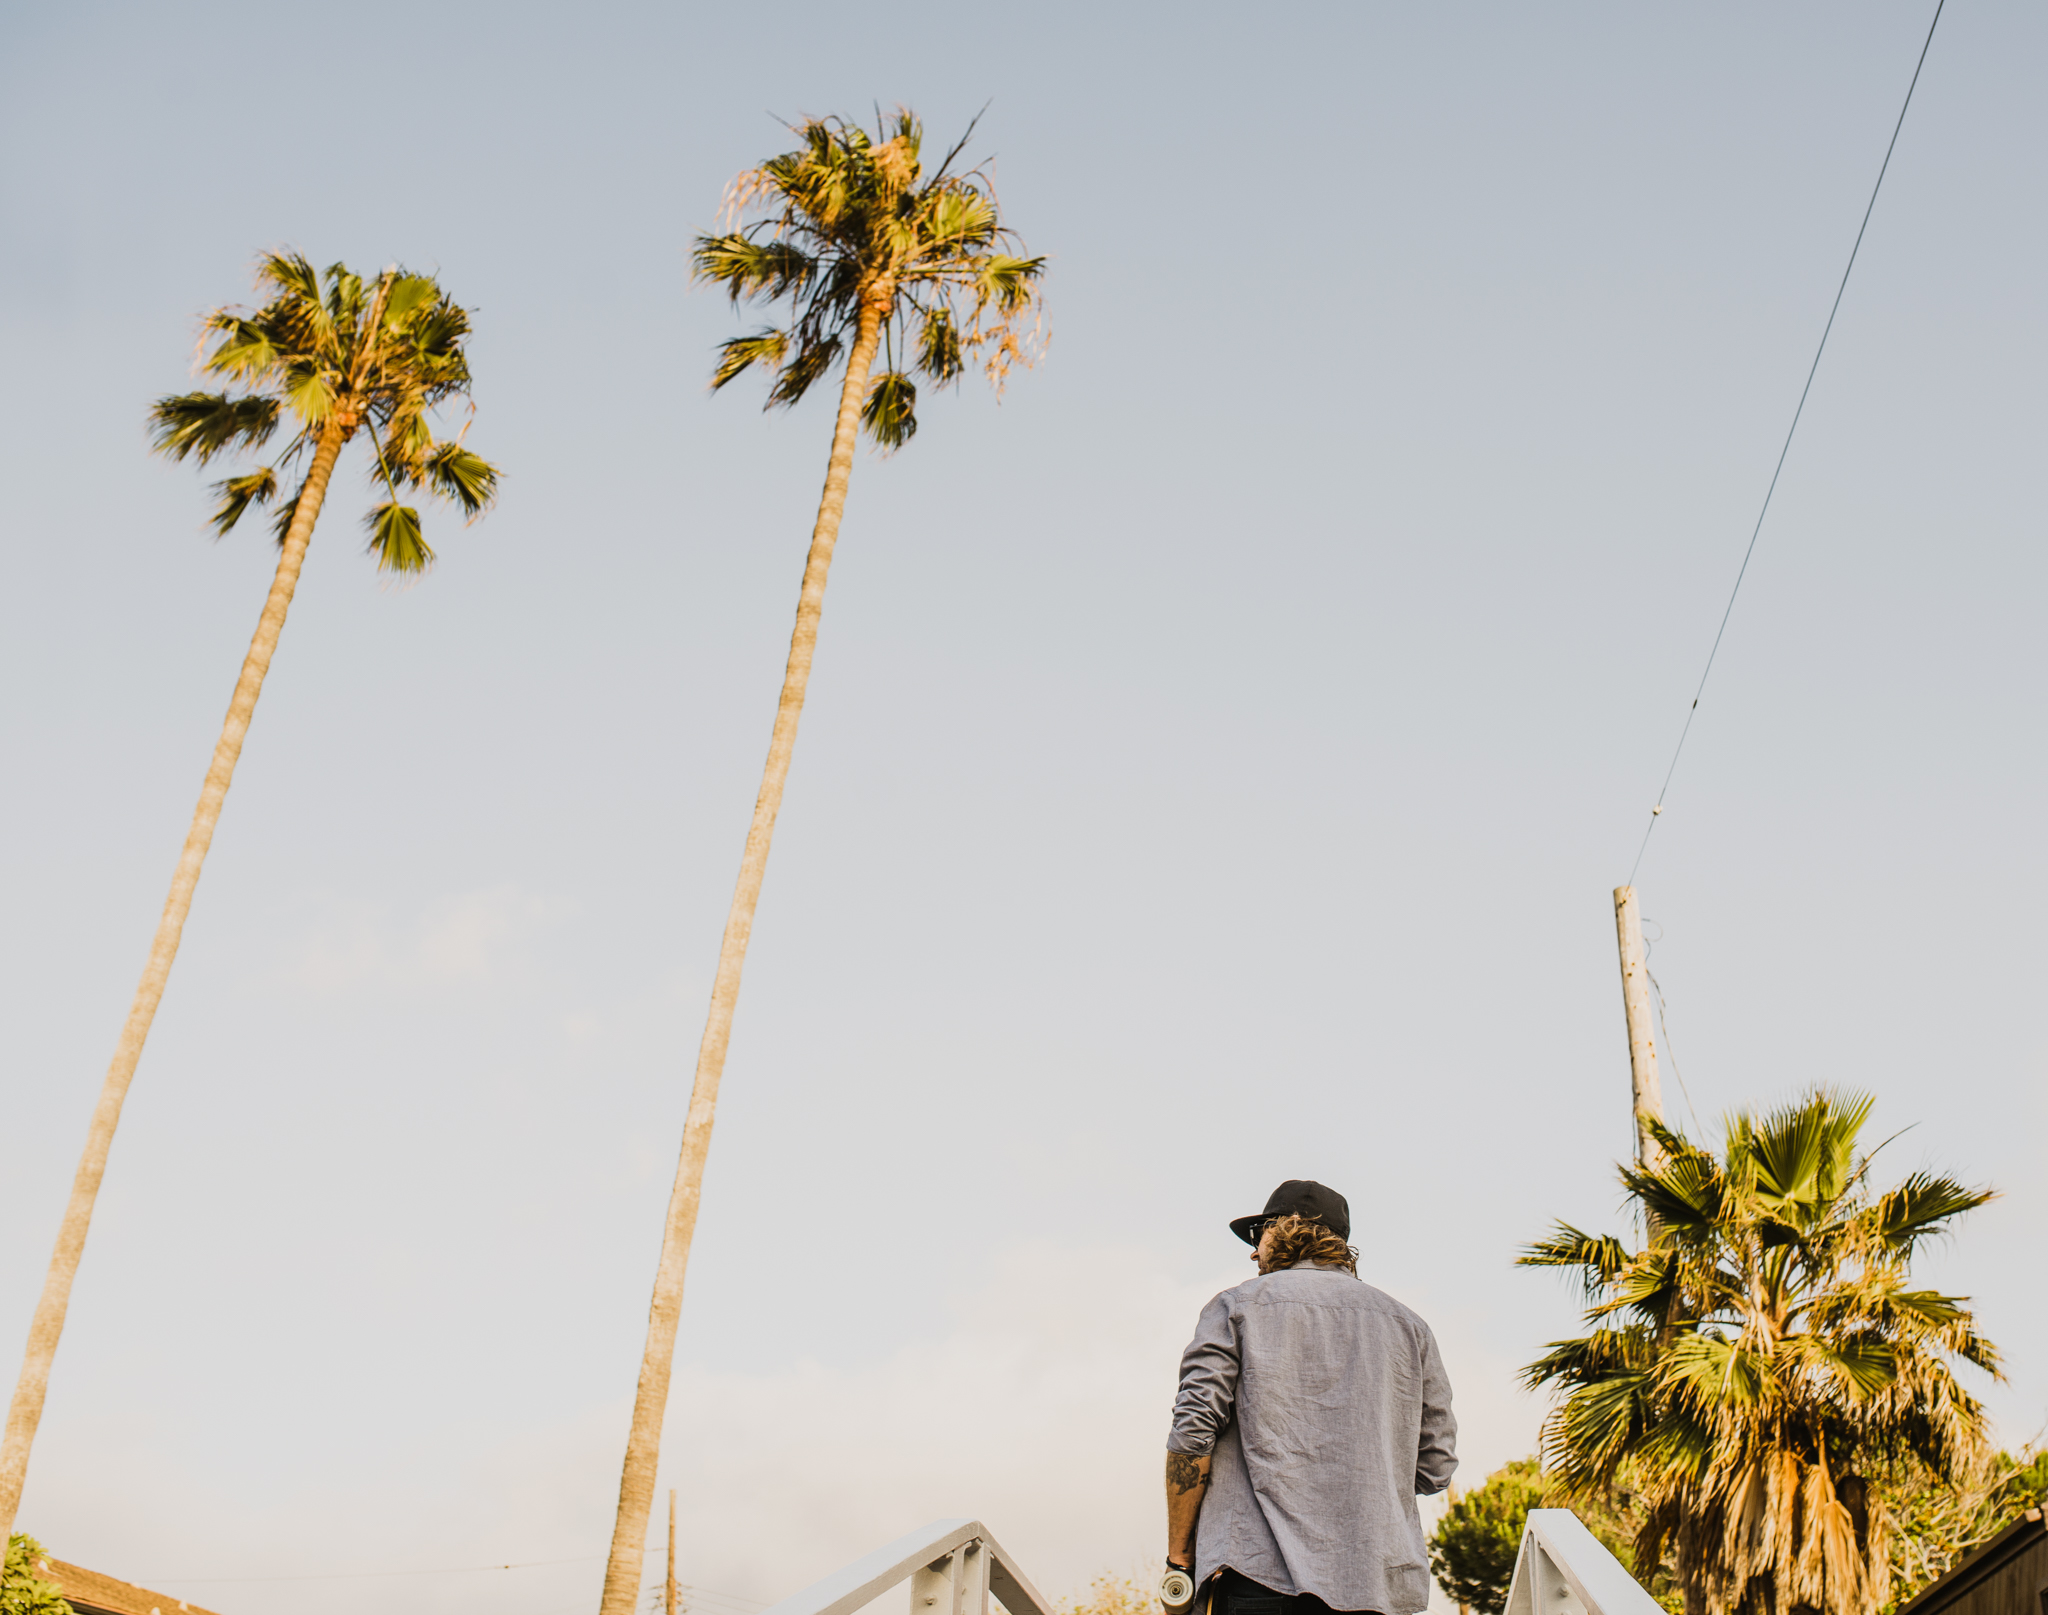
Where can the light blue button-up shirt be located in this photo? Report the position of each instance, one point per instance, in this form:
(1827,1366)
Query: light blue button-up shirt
(1327,1409)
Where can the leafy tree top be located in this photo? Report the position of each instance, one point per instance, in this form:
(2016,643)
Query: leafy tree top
(22,1590)
(332,356)
(855,236)
(1472,1552)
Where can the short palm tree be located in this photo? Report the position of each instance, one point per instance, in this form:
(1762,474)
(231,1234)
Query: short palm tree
(330,358)
(871,255)
(1763,1364)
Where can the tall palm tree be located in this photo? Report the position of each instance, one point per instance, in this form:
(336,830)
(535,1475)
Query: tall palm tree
(1762,1364)
(871,255)
(345,358)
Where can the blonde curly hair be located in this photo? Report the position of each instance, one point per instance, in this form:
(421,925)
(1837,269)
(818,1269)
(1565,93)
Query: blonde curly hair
(1297,1239)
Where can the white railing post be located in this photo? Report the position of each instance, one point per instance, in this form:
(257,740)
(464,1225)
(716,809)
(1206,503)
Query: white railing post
(1563,1570)
(929,1587)
(953,1566)
(970,1579)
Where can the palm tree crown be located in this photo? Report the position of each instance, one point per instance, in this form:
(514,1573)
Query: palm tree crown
(853,231)
(353,356)
(1762,1361)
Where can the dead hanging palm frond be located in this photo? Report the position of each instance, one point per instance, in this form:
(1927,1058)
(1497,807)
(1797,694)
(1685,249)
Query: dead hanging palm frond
(1765,1363)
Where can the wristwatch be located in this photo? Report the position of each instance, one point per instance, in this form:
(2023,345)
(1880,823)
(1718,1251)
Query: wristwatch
(1177,1586)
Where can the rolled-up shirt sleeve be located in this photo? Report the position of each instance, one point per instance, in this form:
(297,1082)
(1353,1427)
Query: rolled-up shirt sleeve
(1208,1382)
(1436,1452)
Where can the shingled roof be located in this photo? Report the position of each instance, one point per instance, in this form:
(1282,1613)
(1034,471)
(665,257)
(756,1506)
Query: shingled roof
(90,1593)
(2007,1574)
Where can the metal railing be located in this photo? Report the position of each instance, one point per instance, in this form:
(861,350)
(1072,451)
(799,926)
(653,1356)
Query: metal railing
(1563,1570)
(952,1565)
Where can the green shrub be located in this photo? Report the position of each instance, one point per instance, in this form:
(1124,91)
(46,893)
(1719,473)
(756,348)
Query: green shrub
(1472,1553)
(22,1591)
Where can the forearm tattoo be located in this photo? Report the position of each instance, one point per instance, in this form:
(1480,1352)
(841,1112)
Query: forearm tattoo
(1183,1473)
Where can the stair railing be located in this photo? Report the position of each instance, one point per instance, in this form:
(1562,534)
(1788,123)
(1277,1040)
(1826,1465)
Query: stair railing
(952,1566)
(1563,1570)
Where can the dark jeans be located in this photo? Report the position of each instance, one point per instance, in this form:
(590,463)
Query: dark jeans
(1232,1594)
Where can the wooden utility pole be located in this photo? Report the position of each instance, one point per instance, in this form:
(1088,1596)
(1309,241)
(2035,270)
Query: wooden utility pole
(1647,1094)
(669,1602)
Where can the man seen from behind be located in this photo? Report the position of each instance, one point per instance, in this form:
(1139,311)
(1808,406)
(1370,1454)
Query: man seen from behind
(1312,1411)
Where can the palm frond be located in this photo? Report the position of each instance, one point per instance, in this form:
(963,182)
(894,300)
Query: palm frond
(468,479)
(738,354)
(1804,1154)
(1649,1286)
(345,295)
(1863,1366)
(747,268)
(938,347)
(1599,1355)
(247,350)
(890,413)
(201,425)
(436,333)
(1683,1194)
(407,438)
(1903,1216)
(794,379)
(1592,1430)
(297,316)
(396,540)
(1715,1373)
(1007,281)
(309,393)
(237,494)
(289,273)
(1677,1148)
(1600,1256)
(407,296)
(959,220)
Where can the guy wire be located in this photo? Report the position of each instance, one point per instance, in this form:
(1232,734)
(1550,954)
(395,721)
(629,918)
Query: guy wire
(1743,570)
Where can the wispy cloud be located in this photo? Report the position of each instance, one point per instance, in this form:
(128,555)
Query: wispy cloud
(467,939)
(1035,1396)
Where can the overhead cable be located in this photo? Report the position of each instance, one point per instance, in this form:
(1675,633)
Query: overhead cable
(1657,810)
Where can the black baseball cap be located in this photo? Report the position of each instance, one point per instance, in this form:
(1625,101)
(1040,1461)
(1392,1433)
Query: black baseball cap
(1305,1199)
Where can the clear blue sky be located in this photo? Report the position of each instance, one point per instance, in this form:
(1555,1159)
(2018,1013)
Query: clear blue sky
(1219,756)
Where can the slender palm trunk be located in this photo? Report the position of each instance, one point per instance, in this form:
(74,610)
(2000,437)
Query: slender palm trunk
(650,1402)
(26,1410)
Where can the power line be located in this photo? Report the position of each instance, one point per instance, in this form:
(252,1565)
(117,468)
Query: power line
(698,1595)
(1743,570)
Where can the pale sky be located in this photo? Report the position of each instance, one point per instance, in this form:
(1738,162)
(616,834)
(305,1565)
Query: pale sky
(1219,757)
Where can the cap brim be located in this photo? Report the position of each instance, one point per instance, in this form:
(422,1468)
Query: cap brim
(1243,1226)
